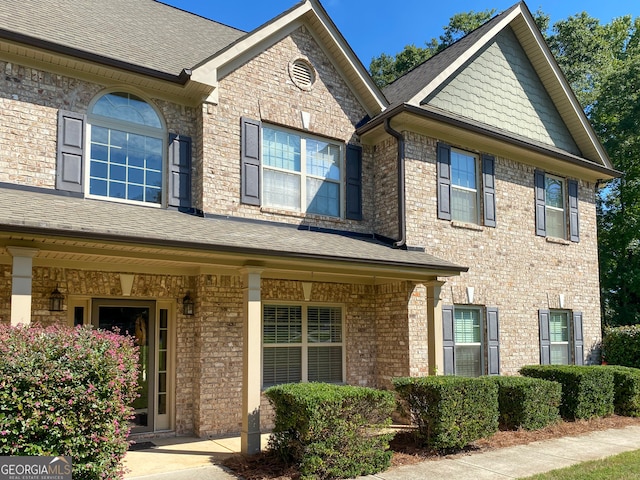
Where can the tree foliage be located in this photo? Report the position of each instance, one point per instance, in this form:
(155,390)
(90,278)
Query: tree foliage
(387,68)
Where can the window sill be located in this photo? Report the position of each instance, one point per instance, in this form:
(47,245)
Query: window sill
(467,226)
(557,241)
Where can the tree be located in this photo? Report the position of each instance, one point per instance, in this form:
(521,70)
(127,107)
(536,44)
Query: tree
(616,116)
(602,64)
(386,68)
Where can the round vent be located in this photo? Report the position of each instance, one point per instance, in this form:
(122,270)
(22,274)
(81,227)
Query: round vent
(302,74)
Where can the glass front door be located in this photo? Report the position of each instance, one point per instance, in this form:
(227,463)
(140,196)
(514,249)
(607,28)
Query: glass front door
(136,319)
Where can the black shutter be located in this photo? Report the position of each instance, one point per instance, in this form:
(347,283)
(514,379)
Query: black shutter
(489,190)
(574,223)
(444,181)
(545,337)
(578,339)
(448,340)
(179,171)
(250,161)
(541,222)
(493,341)
(354,182)
(70,151)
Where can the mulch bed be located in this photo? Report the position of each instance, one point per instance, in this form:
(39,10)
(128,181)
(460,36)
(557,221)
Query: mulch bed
(267,466)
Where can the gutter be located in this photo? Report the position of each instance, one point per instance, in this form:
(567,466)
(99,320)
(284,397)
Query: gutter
(181,79)
(483,130)
(402,213)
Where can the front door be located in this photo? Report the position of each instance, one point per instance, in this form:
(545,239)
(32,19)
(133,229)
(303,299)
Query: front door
(135,318)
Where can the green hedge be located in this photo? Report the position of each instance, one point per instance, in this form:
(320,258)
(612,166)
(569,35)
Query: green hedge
(621,346)
(626,382)
(451,412)
(332,431)
(587,391)
(527,403)
(67,392)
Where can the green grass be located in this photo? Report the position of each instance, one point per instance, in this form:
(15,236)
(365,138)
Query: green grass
(625,466)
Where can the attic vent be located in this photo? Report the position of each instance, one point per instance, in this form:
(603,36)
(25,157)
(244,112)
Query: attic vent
(302,74)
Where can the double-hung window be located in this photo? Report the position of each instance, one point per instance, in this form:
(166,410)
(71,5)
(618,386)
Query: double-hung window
(559,333)
(556,207)
(302,343)
(468,342)
(301,173)
(466,186)
(126,149)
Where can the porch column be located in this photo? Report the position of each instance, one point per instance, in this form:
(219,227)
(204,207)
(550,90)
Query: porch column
(434,316)
(252,361)
(21,279)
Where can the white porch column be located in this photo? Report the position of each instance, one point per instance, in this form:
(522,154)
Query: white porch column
(252,361)
(21,279)
(434,316)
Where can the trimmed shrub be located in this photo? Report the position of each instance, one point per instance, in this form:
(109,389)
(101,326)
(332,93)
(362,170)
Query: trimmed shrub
(626,384)
(332,431)
(587,391)
(66,392)
(621,346)
(528,403)
(450,412)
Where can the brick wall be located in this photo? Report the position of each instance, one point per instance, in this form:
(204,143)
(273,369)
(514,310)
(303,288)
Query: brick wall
(509,266)
(261,89)
(29,101)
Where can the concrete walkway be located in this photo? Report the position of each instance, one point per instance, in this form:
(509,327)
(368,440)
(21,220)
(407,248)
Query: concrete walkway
(191,459)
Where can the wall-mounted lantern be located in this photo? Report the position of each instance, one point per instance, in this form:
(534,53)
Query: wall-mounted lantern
(187,304)
(56,301)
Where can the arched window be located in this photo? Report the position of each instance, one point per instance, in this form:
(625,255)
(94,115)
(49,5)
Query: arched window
(126,149)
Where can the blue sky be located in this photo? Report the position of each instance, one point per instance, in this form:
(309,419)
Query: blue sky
(375,26)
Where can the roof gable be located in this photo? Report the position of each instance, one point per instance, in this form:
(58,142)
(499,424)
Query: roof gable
(419,86)
(500,87)
(311,15)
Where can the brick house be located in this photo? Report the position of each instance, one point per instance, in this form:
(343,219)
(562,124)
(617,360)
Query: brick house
(256,211)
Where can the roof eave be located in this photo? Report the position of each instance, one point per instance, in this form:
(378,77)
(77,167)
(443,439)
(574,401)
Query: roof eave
(608,173)
(181,79)
(247,251)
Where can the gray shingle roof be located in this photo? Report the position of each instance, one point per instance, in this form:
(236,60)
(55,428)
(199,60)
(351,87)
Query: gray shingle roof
(145,33)
(407,86)
(41,212)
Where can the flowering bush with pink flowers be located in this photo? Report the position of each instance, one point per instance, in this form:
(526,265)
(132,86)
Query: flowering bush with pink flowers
(67,392)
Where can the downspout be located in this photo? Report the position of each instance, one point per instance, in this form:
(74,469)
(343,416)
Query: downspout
(402,217)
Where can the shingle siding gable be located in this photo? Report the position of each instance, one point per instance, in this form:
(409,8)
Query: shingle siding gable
(500,87)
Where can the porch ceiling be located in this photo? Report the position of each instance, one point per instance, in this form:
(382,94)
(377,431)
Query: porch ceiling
(81,233)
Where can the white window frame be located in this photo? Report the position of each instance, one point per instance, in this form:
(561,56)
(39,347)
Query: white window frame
(563,210)
(304,344)
(303,171)
(476,191)
(566,344)
(480,345)
(127,127)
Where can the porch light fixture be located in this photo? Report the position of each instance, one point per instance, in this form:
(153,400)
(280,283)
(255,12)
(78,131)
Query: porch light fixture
(56,300)
(187,304)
